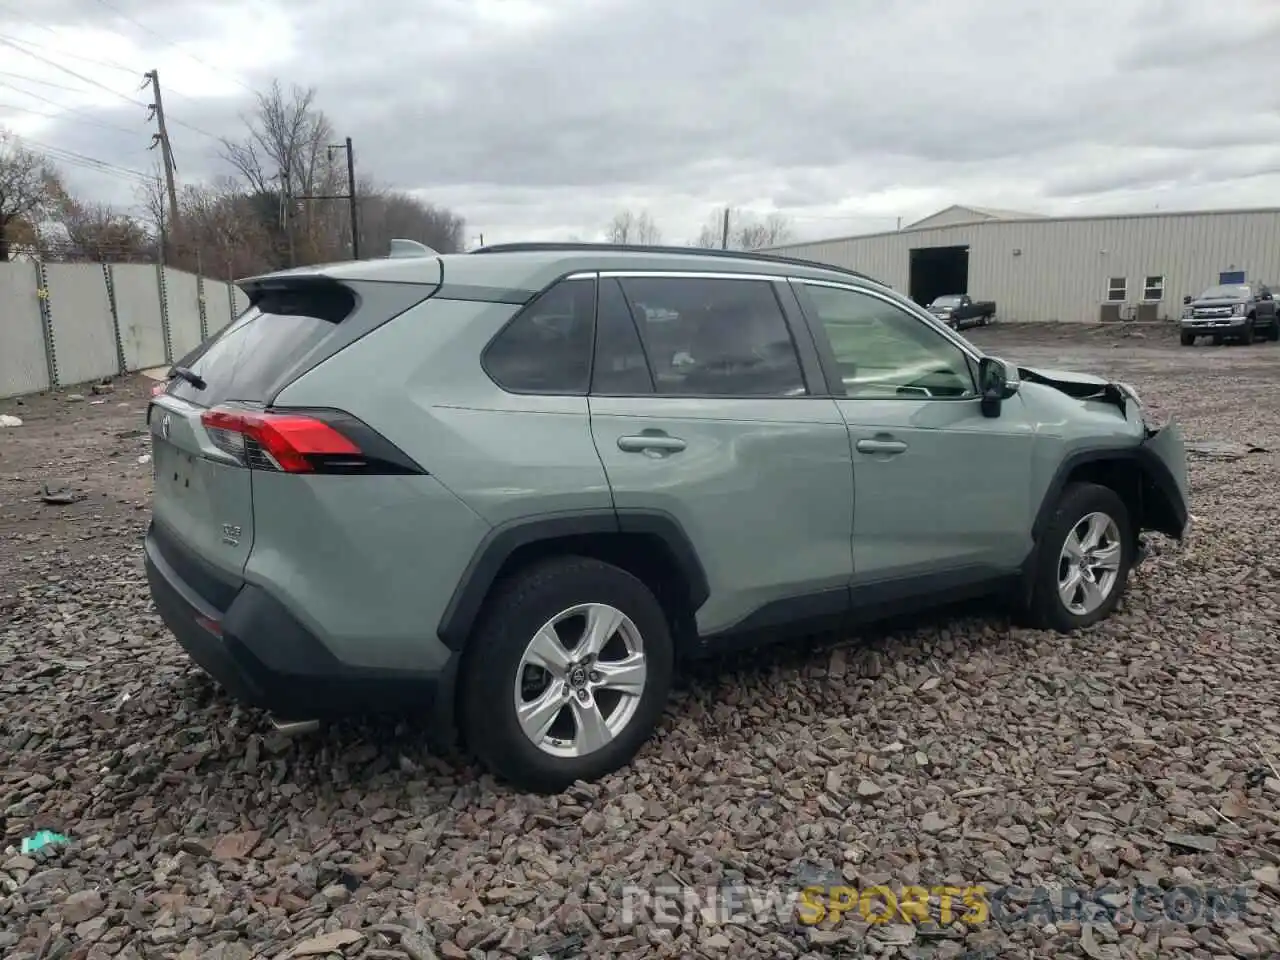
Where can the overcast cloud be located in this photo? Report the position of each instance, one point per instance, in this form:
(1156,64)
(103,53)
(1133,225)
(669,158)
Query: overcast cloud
(538,119)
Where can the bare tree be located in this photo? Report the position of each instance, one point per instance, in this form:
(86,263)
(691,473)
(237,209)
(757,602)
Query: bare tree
(631,228)
(386,215)
(746,231)
(27,185)
(96,232)
(753,234)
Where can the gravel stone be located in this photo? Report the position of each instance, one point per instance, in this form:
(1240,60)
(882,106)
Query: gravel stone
(953,749)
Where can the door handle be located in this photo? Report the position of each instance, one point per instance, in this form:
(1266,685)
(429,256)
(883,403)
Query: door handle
(881,445)
(651,442)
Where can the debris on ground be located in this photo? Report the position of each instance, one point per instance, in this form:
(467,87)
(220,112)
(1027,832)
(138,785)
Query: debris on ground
(42,840)
(8,420)
(1221,449)
(60,496)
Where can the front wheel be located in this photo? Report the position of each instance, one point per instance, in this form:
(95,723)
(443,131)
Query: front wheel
(1083,563)
(1247,337)
(567,676)
(1188,339)
(1273,331)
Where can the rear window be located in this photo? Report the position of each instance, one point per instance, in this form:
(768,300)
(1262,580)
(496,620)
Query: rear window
(248,358)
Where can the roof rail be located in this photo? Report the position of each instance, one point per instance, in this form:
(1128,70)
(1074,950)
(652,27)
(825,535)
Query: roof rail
(552,247)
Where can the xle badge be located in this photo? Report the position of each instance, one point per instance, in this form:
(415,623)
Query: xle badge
(231,534)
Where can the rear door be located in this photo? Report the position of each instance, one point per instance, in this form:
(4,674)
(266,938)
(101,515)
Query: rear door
(703,408)
(203,497)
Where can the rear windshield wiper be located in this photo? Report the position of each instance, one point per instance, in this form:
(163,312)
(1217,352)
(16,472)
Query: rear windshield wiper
(189,375)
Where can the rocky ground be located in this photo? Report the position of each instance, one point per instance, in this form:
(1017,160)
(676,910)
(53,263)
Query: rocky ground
(1135,763)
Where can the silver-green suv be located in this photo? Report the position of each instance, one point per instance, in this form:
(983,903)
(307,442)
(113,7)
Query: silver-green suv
(514,487)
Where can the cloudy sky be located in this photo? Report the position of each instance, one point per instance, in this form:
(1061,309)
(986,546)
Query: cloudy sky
(538,119)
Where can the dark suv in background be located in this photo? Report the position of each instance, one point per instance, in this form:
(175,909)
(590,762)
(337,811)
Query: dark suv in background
(1235,311)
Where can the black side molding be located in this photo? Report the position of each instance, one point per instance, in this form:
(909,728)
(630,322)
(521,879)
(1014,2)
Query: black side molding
(1162,508)
(503,541)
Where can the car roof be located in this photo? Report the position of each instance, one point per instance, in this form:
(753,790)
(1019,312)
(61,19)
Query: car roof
(526,268)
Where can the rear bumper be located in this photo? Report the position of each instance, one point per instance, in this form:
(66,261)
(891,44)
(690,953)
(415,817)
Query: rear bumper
(265,658)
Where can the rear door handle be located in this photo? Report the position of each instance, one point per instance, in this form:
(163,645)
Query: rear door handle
(651,442)
(881,445)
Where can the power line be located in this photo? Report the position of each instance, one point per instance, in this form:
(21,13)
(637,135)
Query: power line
(44,83)
(63,117)
(9,42)
(221,72)
(66,109)
(110,65)
(73,158)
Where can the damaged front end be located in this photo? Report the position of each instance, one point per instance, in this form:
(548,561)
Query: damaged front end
(1161,458)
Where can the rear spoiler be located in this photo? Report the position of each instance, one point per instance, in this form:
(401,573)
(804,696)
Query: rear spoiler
(410,248)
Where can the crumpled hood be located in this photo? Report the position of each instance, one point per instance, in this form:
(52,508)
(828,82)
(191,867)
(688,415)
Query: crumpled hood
(1082,386)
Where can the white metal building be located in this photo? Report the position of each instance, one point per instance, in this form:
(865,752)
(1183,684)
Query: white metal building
(1135,266)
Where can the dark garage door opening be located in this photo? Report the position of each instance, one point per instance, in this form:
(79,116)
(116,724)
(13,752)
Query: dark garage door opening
(938,271)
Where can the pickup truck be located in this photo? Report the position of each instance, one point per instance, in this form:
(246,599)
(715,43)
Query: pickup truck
(1235,311)
(959,310)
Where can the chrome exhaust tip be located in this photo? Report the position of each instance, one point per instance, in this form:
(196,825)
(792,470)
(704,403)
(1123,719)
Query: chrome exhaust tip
(295,728)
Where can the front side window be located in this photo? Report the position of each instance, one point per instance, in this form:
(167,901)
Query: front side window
(547,347)
(714,337)
(883,352)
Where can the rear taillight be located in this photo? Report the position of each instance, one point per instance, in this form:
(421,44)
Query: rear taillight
(293,442)
(158,388)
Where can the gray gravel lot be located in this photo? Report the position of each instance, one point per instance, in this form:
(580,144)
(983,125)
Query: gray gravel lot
(956,751)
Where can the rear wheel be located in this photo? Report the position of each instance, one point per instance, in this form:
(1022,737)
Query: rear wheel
(1273,331)
(567,676)
(1085,555)
(1188,339)
(1217,339)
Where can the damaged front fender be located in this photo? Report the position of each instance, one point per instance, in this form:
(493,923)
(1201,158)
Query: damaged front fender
(1082,386)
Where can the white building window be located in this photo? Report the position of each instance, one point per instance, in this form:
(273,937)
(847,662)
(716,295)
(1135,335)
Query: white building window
(1153,289)
(1117,290)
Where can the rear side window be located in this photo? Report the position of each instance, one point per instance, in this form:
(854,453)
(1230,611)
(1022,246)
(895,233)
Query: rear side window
(621,368)
(547,347)
(248,358)
(715,338)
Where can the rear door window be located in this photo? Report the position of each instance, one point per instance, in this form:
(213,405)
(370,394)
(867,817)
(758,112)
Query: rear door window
(246,361)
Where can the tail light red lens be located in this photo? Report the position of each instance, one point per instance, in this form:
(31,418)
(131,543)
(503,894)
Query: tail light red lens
(287,442)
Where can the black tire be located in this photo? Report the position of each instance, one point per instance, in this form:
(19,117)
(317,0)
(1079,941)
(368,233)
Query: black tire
(1273,331)
(520,608)
(1217,339)
(1247,337)
(1188,339)
(1047,609)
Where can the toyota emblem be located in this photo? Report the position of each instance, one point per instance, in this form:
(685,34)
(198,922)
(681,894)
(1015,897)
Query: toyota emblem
(165,425)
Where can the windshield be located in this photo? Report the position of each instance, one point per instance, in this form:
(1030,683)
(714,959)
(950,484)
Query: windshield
(1226,291)
(951,301)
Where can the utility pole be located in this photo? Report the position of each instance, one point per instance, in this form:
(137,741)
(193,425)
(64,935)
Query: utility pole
(724,233)
(349,196)
(162,138)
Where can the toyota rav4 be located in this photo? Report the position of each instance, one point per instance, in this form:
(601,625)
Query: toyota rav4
(513,488)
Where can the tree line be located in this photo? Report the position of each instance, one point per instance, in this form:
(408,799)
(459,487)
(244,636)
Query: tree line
(747,231)
(260,215)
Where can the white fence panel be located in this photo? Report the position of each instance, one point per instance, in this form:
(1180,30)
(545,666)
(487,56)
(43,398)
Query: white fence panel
(182,296)
(138,311)
(22,363)
(217,305)
(84,337)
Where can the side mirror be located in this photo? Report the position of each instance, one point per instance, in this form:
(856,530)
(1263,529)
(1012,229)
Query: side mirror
(997,382)
(1186,299)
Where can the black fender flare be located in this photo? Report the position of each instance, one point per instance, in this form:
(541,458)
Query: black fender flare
(502,541)
(1162,507)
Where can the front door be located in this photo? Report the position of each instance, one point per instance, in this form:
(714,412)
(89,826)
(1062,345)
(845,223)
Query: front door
(701,409)
(941,492)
